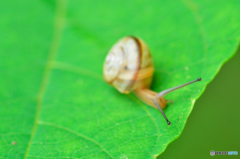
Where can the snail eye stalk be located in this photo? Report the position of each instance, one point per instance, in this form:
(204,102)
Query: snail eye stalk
(160,109)
(165,92)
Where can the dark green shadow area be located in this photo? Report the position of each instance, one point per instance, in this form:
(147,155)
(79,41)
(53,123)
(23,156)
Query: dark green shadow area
(214,123)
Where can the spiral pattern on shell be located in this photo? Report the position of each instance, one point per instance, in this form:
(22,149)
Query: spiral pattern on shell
(128,65)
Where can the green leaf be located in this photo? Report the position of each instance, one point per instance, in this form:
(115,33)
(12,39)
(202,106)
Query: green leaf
(54,102)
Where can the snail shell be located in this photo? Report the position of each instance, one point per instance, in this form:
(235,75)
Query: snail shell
(129,67)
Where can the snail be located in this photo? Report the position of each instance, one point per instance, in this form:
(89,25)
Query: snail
(129,67)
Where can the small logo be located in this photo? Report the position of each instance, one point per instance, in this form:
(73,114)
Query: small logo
(212,153)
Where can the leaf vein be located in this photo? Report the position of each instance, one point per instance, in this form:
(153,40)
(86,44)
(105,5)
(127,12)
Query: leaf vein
(59,23)
(75,69)
(73,132)
(150,115)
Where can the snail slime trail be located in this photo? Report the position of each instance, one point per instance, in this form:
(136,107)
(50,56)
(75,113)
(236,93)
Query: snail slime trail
(129,68)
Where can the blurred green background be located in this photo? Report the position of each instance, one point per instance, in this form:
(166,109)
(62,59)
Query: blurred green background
(214,123)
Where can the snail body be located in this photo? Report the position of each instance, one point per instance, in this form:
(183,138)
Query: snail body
(129,67)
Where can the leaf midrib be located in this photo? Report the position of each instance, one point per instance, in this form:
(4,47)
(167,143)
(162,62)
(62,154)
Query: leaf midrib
(59,22)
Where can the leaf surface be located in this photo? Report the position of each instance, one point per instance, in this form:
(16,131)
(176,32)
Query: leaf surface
(54,102)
